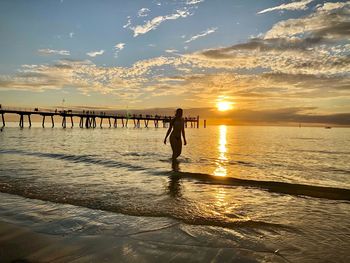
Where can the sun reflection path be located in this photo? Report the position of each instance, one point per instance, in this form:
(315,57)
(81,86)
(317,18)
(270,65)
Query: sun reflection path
(221,160)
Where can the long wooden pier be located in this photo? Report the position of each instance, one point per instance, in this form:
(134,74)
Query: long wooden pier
(90,118)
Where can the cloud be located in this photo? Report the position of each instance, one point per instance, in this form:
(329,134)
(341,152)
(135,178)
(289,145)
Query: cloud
(330,23)
(143,12)
(202,34)
(71,34)
(277,87)
(326,22)
(332,6)
(171,50)
(315,44)
(193,2)
(255,92)
(155,22)
(289,115)
(47,51)
(118,47)
(297,5)
(128,23)
(84,76)
(95,53)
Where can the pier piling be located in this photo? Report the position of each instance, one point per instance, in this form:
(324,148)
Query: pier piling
(21,121)
(3,119)
(64,123)
(87,122)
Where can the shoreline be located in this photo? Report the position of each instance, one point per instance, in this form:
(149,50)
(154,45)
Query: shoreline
(40,231)
(21,244)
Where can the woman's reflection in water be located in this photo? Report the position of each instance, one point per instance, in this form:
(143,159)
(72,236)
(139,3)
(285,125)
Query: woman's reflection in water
(174,180)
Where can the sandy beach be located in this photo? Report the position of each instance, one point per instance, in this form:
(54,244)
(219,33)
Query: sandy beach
(36,231)
(21,244)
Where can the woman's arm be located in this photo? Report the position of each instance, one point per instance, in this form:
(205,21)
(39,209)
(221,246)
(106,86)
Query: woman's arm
(183,132)
(169,130)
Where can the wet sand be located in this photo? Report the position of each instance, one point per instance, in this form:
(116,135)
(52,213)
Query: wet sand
(21,244)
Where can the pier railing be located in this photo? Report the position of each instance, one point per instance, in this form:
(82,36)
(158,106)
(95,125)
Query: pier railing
(88,118)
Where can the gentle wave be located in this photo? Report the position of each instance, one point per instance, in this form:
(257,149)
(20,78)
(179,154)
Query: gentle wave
(88,159)
(139,154)
(307,138)
(243,163)
(191,219)
(272,186)
(321,151)
(338,170)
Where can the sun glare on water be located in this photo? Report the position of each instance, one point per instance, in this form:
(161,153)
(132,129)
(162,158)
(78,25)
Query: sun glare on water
(224,105)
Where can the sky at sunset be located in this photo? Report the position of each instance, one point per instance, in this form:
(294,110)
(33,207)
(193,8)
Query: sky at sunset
(269,61)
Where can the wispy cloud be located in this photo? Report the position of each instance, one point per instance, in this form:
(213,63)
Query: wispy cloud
(297,5)
(118,47)
(171,50)
(315,44)
(332,6)
(47,51)
(193,2)
(155,22)
(202,34)
(128,23)
(95,53)
(329,21)
(143,12)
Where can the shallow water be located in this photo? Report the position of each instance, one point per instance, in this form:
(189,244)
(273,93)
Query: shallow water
(233,186)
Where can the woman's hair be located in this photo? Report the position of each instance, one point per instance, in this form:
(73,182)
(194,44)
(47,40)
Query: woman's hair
(179,112)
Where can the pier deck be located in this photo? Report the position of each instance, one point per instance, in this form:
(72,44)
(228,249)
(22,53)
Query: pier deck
(89,118)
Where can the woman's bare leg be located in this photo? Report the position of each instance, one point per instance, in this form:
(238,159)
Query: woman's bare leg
(176,146)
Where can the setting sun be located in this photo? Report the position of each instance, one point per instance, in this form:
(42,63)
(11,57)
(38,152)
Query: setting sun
(224,105)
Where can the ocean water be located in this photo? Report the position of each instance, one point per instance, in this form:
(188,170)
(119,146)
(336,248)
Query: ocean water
(252,194)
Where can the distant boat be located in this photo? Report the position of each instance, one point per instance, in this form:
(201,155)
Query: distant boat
(328,127)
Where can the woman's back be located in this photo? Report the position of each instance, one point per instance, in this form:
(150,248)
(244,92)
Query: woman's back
(177,126)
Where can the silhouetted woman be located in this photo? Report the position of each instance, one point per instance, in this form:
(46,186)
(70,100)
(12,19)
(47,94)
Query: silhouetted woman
(177,124)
